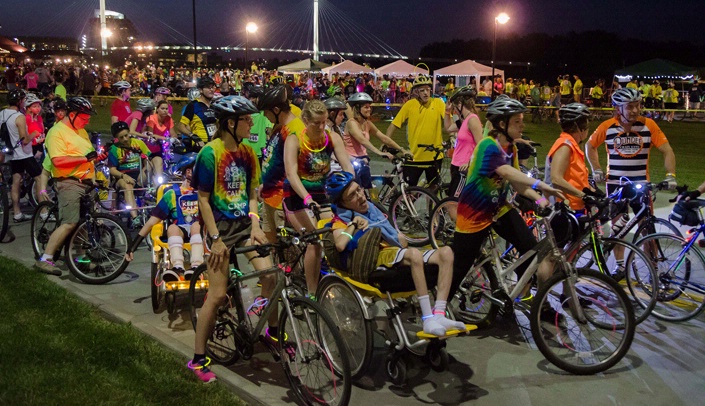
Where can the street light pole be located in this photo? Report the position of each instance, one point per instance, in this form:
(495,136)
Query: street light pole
(195,49)
(502,18)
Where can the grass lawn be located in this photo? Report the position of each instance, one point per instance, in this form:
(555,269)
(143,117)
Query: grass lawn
(58,350)
(686,138)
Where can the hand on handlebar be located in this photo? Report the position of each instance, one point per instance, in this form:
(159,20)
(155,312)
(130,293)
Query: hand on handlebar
(670,182)
(387,155)
(549,191)
(95,156)
(598,175)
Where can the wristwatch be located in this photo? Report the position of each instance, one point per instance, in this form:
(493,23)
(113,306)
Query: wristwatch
(215,237)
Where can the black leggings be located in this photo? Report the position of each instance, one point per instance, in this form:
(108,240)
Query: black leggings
(466,246)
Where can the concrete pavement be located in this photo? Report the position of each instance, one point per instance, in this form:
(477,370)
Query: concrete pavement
(497,366)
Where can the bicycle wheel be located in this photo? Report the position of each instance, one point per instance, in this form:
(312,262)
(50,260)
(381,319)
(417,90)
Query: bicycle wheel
(410,214)
(96,249)
(339,300)
(313,354)
(655,225)
(640,273)
(44,221)
(223,343)
(681,276)
(4,211)
(441,228)
(588,343)
(473,303)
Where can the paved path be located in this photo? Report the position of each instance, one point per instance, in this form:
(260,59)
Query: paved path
(665,366)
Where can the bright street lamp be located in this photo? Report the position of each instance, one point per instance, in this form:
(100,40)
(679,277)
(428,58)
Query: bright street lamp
(251,28)
(106,33)
(502,18)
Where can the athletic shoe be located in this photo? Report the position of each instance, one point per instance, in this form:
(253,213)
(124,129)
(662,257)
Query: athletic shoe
(47,267)
(189,273)
(172,275)
(136,223)
(21,218)
(272,343)
(550,315)
(566,303)
(619,273)
(202,371)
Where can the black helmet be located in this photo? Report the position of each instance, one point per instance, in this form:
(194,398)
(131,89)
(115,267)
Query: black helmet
(335,104)
(504,108)
(573,112)
(15,96)
(80,104)
(274,97)
(59,104)
(465,92)
(233,106)
(205,81)
(255,92)
(117,127)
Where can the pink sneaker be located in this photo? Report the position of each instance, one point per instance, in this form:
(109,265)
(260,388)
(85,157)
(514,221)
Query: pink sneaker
(202,371)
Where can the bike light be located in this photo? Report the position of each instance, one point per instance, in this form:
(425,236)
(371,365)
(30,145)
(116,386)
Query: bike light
(639,186)
(160,180)
(128,207)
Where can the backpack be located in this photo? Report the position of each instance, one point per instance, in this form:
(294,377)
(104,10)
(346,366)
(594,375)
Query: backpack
(5,138)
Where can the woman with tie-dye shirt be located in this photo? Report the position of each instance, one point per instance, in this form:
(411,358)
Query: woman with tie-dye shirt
(307,163)
(483,202)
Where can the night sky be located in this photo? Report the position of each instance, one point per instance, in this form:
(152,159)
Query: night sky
(405,25)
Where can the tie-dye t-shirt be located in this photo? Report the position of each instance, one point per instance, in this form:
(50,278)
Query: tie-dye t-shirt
(167,207)
(313,165)
(273,172)
(231,177)
(485,192)
(128,160)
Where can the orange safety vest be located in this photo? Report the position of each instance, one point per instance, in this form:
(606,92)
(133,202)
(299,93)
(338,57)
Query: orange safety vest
(576,173)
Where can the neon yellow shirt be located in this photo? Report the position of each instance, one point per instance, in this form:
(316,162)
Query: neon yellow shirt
(578,87)
(63,141)
(670,96)
(632,85)
(424,123)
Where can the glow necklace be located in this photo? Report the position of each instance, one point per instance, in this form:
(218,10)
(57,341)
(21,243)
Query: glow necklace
(308,147)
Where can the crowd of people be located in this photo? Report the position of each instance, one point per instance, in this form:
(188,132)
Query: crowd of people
(260,144)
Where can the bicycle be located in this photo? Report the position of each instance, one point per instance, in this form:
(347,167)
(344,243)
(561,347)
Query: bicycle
(307,335)
(95,250)
(409,207)
(681,267)
(594,323)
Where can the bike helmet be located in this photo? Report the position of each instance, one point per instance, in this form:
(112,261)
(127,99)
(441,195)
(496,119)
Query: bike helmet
(335,104)
(31,99)
(336,183)
(145,104)
(625,96)
(255,92)
(80,104)
(59,104)
(337,90)
(205,81)
(193,94)
(359,99)
(163,90)
(118,127)
(122,85)
(274,97)
(573,112)
(421,80)
(503,108)
(277,80)
(15,96)
(463,93)
(187,161)
(228,106)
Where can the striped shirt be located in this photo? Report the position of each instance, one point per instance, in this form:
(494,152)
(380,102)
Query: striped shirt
(628,152)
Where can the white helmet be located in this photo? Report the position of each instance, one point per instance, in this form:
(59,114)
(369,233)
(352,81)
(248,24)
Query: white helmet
(31,99)
(122,85)
(193,94)
(145,104)
(624,96)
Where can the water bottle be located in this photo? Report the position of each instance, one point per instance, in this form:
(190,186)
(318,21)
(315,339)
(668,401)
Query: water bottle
(619,224)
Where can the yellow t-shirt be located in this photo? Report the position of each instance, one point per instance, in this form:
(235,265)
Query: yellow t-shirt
(295,110)
(656,91)
(596,92)
(63,141)
(565,88)
(670,96)
(578,87)
(424,125)
(632,85)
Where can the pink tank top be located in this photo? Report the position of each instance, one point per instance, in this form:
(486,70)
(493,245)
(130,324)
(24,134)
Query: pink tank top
(354,148)
(464,145)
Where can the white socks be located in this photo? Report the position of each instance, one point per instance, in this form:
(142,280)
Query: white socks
(176,249)
(435,321)
(196,250)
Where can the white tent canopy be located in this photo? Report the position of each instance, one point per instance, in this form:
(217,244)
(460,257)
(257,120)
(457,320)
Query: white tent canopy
(463,70)
(347,66)
(400,68)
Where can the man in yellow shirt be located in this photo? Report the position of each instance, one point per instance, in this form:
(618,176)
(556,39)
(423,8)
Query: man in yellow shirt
(424,117)
(596,94)
(72,158)
(632,85)
(655,95)
(566,89)
(577,89)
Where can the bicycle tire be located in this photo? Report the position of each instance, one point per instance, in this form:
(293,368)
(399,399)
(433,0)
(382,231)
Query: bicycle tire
(472,302)
(5,214)
(320,342)
(609,305)
(42,227)
(638,280)
(222,344)
(681,295)
(659,226)
(416,225)
(441,228)
(339,300)
(104,258)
